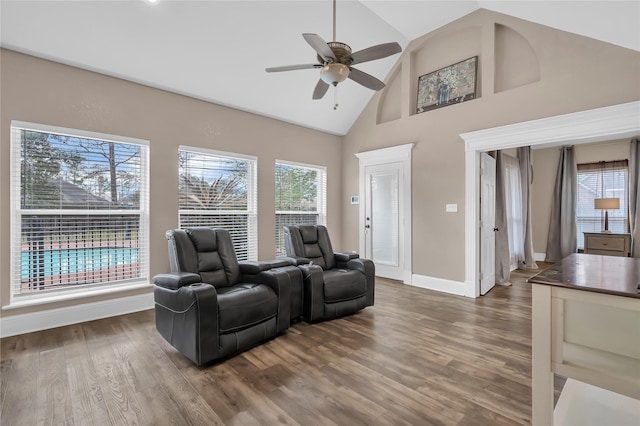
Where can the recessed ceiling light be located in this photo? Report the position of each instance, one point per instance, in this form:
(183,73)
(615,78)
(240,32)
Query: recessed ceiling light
(151,1)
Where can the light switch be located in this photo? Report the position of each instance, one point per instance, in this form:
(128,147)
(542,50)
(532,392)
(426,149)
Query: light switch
(451,208)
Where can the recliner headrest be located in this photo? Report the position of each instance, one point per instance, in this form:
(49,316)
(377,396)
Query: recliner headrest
(204,239)
(309,234)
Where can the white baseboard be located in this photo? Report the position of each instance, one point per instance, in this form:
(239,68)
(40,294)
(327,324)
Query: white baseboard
(438,284)
(539,257)
(12,325)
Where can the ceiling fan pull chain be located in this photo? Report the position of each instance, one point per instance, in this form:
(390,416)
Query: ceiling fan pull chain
(335,97)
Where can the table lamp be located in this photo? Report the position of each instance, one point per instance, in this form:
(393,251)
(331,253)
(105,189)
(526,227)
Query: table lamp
(606,204)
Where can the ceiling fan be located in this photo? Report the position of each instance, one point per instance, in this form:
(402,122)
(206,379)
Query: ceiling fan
(336,60)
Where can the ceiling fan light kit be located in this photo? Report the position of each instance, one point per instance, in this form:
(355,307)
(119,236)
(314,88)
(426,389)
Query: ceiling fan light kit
(335,60)
(334,73)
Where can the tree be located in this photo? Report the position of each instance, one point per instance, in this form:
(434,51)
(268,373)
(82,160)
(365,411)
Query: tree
(41,162)
(297,188)
(116,158)
(223,193)
(212,183)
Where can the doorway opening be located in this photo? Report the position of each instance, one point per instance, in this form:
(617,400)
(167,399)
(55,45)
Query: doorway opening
(596,125)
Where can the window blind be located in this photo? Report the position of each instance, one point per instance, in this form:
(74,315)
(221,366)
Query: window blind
(300,198)
(219,190)
(79,210)
(601,180)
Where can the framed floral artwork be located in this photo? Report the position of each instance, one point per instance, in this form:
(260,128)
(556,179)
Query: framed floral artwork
(449,85)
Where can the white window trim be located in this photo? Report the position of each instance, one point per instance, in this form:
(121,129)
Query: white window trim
(321,197)
(599,217)
(252,196)
(218,153)
(16,223)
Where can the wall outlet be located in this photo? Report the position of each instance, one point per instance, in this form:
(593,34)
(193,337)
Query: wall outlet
(451,208)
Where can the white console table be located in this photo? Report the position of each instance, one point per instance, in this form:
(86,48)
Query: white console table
(586,326)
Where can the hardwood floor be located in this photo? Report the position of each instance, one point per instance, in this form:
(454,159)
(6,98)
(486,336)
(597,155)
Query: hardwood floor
(417,357)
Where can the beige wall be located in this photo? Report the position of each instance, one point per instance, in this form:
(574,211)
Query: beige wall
(545,164)
(39,91)
(575,74)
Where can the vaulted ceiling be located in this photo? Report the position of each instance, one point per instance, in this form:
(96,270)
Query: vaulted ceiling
(218,50)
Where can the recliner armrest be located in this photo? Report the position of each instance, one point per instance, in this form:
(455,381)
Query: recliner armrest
(252,267)
(313,281)
(187,318)
(297,261)
(281,279)
(176,280)
(345,257)
(368,268)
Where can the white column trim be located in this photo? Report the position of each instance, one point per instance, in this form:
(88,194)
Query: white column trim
(596,125)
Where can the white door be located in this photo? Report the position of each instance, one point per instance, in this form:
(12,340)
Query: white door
(383,219)
(487,222)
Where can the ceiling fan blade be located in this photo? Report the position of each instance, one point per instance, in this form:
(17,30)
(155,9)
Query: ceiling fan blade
(320,90)
(365,79)
(375,52)
(293,67)
(320,46)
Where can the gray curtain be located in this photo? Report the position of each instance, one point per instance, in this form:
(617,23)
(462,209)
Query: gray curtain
(561,240)
(503,270)
(634,197)
(526,179)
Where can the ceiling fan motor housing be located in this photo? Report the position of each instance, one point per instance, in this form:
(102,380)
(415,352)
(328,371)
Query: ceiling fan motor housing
(342,52)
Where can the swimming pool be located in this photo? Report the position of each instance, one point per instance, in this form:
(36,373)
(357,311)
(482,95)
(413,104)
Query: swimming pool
(72,261)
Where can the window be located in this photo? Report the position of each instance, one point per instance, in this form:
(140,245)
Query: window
(601,180)
(301,194)
(79,210)
(219,190)
(514,210)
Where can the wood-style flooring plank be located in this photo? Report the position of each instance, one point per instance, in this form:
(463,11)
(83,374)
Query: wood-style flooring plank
(87,400)
(21,380)
(53,402)
(122,404)
(417,357)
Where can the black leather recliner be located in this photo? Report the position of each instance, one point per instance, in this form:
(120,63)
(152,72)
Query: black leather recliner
(211,306)
(335,284)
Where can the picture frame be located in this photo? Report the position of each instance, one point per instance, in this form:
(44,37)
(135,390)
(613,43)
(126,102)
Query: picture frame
(447,86)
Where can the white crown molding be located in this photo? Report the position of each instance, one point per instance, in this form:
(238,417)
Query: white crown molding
(386,155)
(601,124)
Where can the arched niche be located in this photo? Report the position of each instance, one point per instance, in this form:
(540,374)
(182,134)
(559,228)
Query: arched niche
(516,63)
(389,106)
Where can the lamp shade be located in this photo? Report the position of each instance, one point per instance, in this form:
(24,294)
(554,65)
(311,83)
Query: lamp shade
(334,73)
(607,203)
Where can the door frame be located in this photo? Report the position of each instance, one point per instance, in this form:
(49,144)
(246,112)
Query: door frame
(394,154)
(595,125)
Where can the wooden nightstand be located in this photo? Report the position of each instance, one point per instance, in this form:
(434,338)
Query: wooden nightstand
(607,244)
